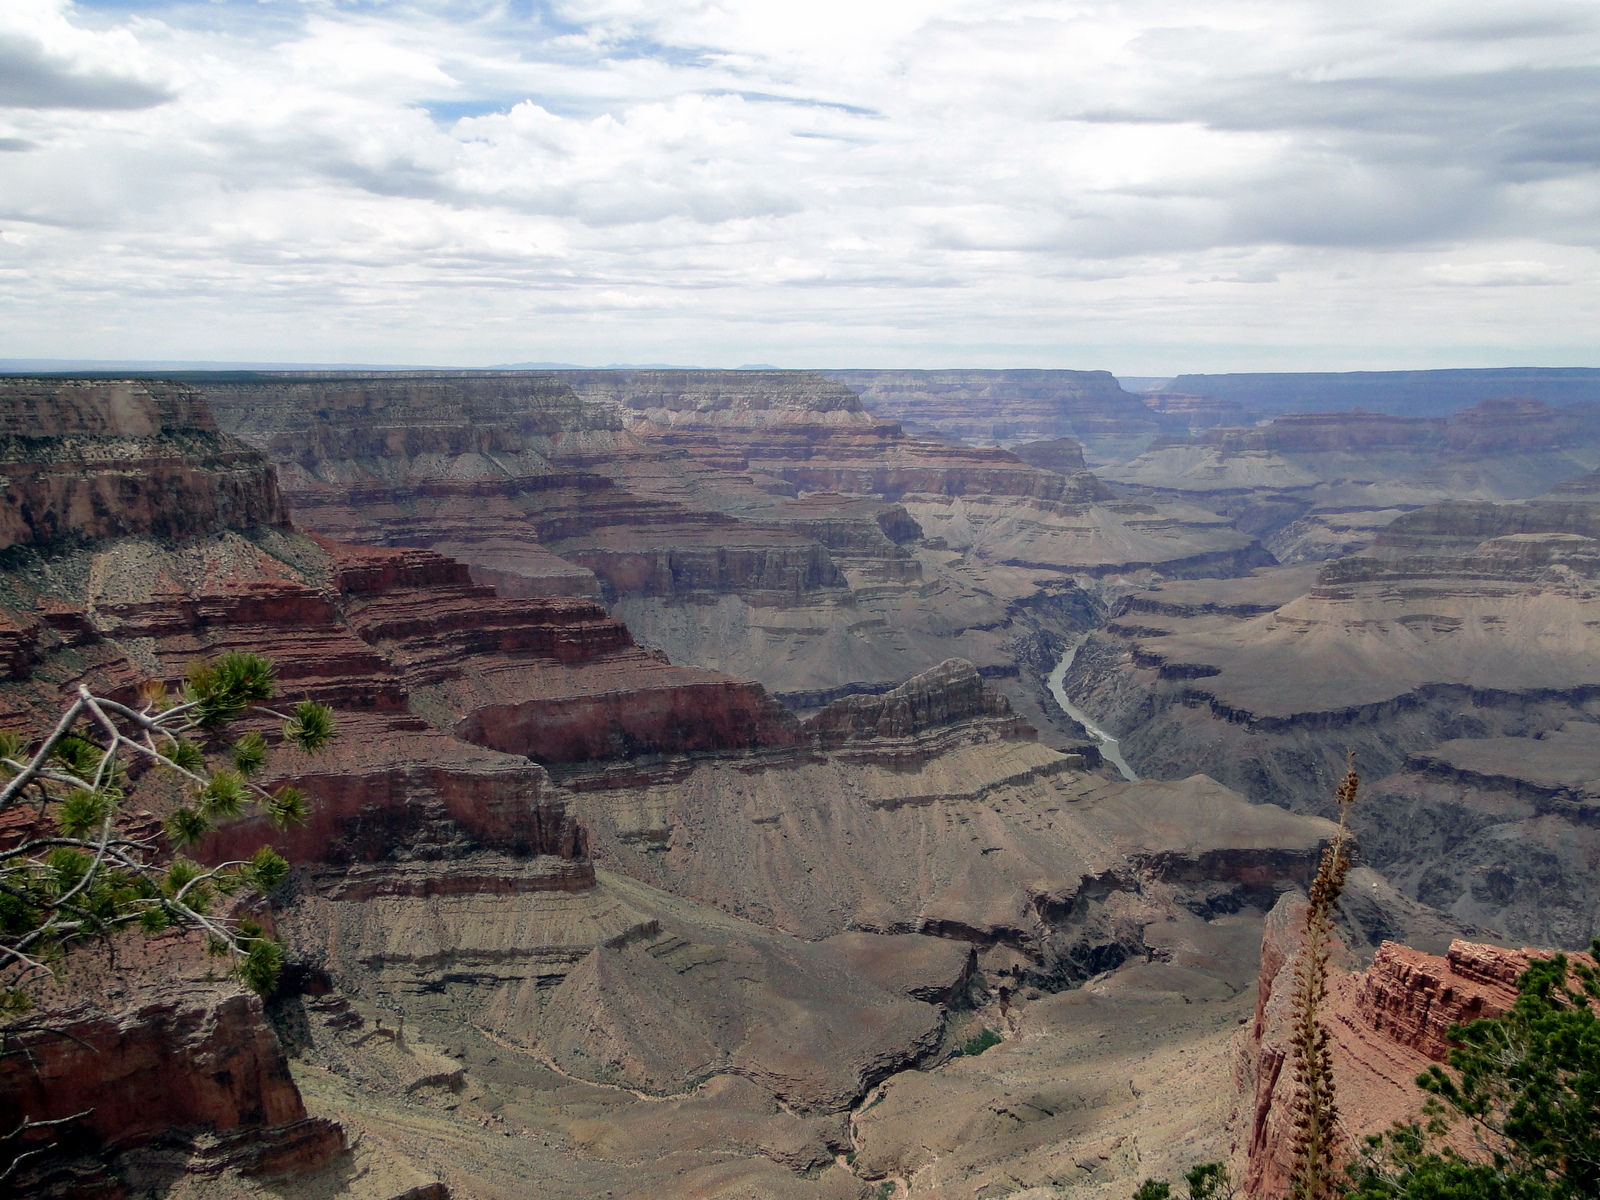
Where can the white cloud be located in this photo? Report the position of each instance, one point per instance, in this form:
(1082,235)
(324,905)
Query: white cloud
(989,181)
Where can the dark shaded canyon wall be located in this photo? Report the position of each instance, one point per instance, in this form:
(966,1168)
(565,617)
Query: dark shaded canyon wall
(153,1053)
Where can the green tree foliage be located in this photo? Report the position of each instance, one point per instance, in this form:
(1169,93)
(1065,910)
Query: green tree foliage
(1527,1086)
(978,1043)
(84,872)
(1208,1181)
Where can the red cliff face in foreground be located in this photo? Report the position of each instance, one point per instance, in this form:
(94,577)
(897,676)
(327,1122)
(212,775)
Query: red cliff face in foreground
(164,1061)
(1387,1022)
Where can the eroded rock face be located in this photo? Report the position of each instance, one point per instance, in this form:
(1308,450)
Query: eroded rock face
(1318,485)
(1463,621)
(967,831)
(611,874)
(1387,1023)
(407,650)
(763,524)
(152,1053)
(1498,830)
(950,693)
(92,458)
(1007,406)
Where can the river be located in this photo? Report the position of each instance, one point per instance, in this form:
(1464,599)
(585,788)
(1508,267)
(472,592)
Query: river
(1108,744)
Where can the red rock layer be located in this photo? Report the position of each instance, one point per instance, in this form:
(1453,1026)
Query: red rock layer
(149,1051)
(1388,1023)
(85,458)
(552,678)
(1413,998)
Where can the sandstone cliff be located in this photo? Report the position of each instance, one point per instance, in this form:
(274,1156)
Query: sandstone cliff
(163,1067)
(119,457)
(673,496)
(570,917)
(1388,1022)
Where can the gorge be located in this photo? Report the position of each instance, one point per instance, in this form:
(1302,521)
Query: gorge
(720,752)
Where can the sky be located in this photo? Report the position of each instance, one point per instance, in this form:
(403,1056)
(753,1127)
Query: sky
(1146,186)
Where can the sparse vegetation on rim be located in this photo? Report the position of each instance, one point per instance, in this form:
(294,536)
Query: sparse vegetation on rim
(1315,1171)
(81,871)
(1526,1088)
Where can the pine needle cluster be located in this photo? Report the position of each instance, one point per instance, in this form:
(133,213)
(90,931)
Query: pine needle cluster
(85,870)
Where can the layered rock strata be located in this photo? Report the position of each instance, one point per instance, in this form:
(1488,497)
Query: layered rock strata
(1006,546)
(1000,407)
(1464,600)
(1319,485)
(568,917)
(406,815)
(1499,831)
(748,522)
(110,458)
(1387,1023)
(1402,393)
(1051,873)
(1454,657)
(152,1063)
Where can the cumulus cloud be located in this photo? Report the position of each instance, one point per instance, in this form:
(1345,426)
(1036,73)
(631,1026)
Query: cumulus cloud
(47,62)
(1043,181)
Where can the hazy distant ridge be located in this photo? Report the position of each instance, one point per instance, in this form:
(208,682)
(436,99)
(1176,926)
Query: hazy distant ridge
(1403,393)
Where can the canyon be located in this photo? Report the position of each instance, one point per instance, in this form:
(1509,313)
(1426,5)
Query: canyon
(763,524)
(1452,657)
(700,795)
(565,913)
(1315,486)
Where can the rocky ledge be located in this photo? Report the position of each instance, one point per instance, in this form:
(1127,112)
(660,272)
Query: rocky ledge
(109,458)
(1388,1022)
(157,1069)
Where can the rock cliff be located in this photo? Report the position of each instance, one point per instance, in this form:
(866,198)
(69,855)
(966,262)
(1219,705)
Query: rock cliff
(758,523)
(1000,407)
(1053,874)
(163,1067)
(570,917)
(1387,1023)
(110,458)
(1454,656)
(1318,485)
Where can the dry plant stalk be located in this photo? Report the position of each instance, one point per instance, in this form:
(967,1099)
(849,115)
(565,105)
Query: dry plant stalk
(1314,1174)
